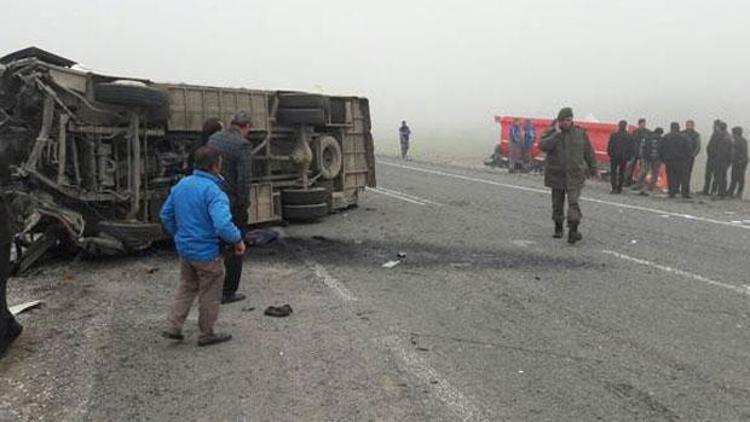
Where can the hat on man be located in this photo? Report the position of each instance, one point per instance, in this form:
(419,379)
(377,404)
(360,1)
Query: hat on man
(565,113)
(241,118)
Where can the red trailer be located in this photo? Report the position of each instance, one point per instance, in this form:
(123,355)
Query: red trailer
(598,134)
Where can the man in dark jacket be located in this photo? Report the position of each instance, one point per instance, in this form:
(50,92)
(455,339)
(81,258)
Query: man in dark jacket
(739,163)
(650,159)
(722,159)
(640,135)
(619,149)
(569,156)
(710,177)
(676,152)
(236,151)
(695,146)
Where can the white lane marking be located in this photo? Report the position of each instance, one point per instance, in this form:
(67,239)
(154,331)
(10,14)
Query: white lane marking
(594,200)
(391,195)
(414,197)
(412,363)
(331,281)
(736,289)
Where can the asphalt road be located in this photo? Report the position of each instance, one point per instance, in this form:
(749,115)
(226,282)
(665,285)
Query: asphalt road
(484,317)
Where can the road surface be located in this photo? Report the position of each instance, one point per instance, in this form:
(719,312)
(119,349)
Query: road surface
(483,316)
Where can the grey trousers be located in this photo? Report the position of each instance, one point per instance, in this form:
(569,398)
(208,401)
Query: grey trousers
(204,280)
(558,205)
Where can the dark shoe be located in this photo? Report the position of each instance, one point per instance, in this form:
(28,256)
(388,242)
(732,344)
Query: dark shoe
(687,197)
(234,297)
(613,192)
(574,235)
(558,231)
(214,339)
(173,336)
(278,311)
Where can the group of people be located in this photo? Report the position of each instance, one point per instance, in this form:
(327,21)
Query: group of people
(522,139)
(635,155)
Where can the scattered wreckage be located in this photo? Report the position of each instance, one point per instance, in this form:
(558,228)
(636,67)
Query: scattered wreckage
(93,156)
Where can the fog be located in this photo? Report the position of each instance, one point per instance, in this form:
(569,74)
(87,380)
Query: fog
(447,68)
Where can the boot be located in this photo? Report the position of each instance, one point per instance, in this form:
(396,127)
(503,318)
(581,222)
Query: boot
(558,231)
(573,234)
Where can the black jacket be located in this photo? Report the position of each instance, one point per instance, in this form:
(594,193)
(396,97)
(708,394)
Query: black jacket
(695,140)
(620,146)
(724,147)
(675,149)
(639,139)
(650,147)
(739,157)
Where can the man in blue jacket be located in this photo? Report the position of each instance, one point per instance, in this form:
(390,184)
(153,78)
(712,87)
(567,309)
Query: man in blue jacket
(198,216)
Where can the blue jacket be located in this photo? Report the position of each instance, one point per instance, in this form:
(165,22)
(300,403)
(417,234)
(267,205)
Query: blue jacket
(197,215)
(516,135)
(529,136)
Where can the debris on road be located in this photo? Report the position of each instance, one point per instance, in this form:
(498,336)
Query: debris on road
(261,237)
(248,309)
(278,311)
(401,255)
(19,309)
(390,264)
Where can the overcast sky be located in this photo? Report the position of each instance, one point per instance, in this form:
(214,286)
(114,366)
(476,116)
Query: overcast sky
(447,66)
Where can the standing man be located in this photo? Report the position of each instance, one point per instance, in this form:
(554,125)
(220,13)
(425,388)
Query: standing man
(619,150)
(710,176)
(403,135)
(639,138)
(529,139)
(650,160)
(237,170)
(197,215)
(677,152)
(515,146)
(695,147)
(739,163)
(723,159)
(569,156)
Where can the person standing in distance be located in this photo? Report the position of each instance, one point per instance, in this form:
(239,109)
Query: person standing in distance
(404,133)
(739,163)
(619,150)
(676,152)
(695,147)
(236,151)
(569,157)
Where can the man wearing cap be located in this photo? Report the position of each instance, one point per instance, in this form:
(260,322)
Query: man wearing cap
(569,157)
(236,151)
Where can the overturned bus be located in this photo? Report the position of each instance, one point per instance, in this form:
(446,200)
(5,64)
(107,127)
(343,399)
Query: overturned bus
(92,157)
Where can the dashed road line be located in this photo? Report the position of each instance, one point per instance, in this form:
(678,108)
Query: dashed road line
(408,360)
(737,289)
(410,196)
(594,200)
(331,281)
(411,362)
(403,197)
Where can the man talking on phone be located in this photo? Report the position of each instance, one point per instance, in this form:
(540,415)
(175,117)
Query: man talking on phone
(570,157)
